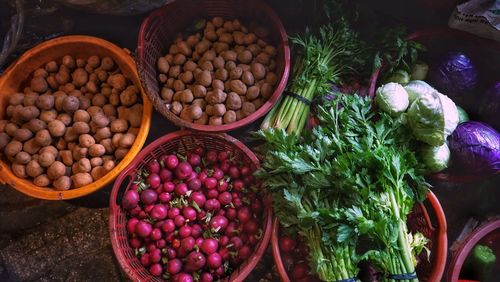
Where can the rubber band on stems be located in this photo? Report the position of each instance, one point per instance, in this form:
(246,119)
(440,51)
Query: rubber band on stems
(298,97)
(405,276)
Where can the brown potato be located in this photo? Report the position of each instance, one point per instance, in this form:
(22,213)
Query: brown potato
(258,71)
(66,157)
(176,107)
(56,170)
(31,146)
(19,170)
(222,74)
(185,115)
(81,115)
(214,120)
(220,47)
(130,96)
(16,99)
(218,21)
(233,101)
(229,117)
(68,61)
(56,128)
(46,158)
(80,77)
(238,86)
(80,127)
(218,62)
(97,161)
(100,120)
(109,110)
(39,84)
(4,140)
(229,55)
(107,63)
(258,103)
(195,112)
(219,110)
(206,65)
(253,93)
(186,77)
(217,84)
(79,153)
(174,72)
(203,46)
(271,78)
(202,120)
(189,66)
(94,110)
(263,58)
(49,149)
(204,78)
(199,91)
(40,72)
(83,165)
(117,81)
(23,158)
(119,125)
(245,57)
(167,94)
(230,65)
(97,172)
(97,150)
(86,140)
(121,153)
(127,140)
(70,104)
(81,179)
(235,73)
(248,108)
(42,180)
(216,96)
(62,183)
(64,118)
(43,137)
(108,145)
(266,90)
(22,134)
(51,80)
(179,85)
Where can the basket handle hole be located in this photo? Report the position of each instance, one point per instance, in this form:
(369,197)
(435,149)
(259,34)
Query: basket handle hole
(123,187)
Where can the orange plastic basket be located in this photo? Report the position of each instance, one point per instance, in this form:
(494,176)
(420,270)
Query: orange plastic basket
(159,29)
(418,220)
(178,142)
(79,46)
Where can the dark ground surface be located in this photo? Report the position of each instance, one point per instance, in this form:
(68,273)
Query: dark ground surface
(69,240)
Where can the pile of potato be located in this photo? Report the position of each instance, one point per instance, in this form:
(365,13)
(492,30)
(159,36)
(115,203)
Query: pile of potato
(74,122)
(218,77)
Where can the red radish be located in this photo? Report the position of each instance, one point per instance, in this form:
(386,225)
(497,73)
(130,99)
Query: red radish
(181,189)
(135,211)
(191,176)
(142,215)
(145,260)
(213,194)
(256,206)
(131,223)
(212,205)
(199,198)
(165,175)
(198,241)
(161,244)
(288,260)
(253,239)
(148,208)
(238,185)
(224,155)
(154,180)
(187,244)
(149,196)
(231,213)
(206,277)
(170,237)
(251,227)
(218,174)
(184,231)
(172,161)
(184,277)
(211,157)
(237,203)
(195,261)
(244,252)
(159,212)
(221,212)
(156,234)
(156,269)
(245,170)
(222,185)
(287,244)
(219,271)
(189,213)
(179,220)
(196,231)
(174,266)
(194,159)
(224,240)
(168,226)
(237,242)
(194,184)
(218,223)
(214,261)
(224,166)
(130,199)
(155,255)
(165,197)
(183,170)
(209,246)
(150,246)
(135,243)
(173,212)
(199,150)
(143,229)
(171,253)
(153,166)
(224,253)
(225,198)
(234,172)
(210,182)
(249,179)
(231,229)
(202,176)
(299,270)
(244,214)
(168,187)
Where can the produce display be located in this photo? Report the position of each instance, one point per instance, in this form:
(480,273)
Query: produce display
(219,75)
(194,217)
(74,121)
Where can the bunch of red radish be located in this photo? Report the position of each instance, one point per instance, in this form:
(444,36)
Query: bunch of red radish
(293,257)
(194,217)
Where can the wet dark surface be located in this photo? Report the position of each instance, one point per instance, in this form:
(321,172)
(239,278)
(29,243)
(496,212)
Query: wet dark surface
(460,202)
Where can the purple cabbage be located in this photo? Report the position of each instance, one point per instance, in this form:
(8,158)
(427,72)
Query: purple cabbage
(489,109)
(475,147)
(455,76)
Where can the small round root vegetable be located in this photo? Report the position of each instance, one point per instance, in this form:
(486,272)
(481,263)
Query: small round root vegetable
(22,134)
(98,172)
(129,96)
(33,169)
(56,128)
(86,140)
(97,150)
(80,127)
(79,153)
(83,165)
(127,140)
(31,147)
(13,148)
(233,101)
(70,104)
(62,183)
(46,158)
(66,157)
(43,137)
(108,165)
(81,179)
(81,115)
(100,120)
(23,158)
(121,153)
(42,180)
(19,170)
(117,81)
(229,117)
(119,126)
(56,170)
(39,84)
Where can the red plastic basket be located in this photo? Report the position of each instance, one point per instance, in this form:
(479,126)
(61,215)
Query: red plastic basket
(488,233)
(159,29)
(418,220)
(178,142)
